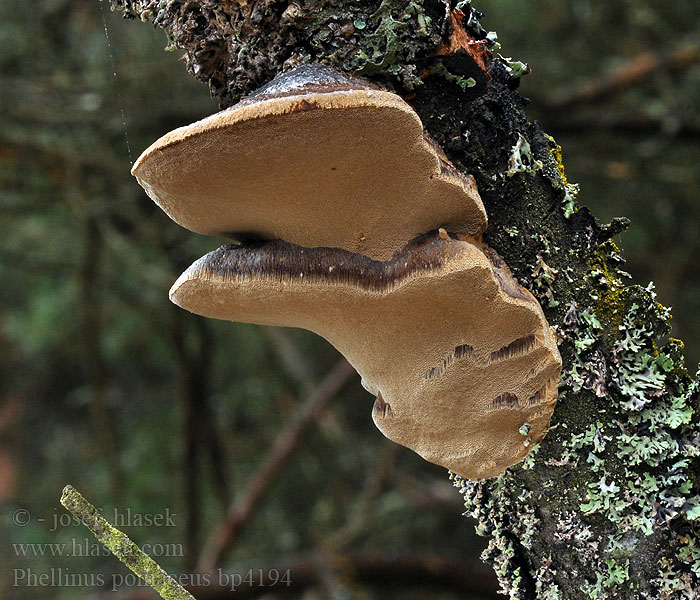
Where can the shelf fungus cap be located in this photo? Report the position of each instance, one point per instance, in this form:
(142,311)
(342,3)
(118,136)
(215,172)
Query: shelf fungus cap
(316,158)
(462,361)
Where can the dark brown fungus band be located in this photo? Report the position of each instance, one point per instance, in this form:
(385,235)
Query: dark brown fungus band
(452,357)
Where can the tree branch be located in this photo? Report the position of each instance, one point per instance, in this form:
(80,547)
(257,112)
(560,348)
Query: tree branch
(609,504)
(225,535)
(634,71)
(122,547)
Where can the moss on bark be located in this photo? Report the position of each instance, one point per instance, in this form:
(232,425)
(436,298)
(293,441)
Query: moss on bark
(609,505)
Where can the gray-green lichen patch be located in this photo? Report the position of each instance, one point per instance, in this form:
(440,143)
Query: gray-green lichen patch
(631,467)
(612,490)
(516,68)
(383,49)
(463,82)
(568,201)
(235,47)
(521,158)
(543,276)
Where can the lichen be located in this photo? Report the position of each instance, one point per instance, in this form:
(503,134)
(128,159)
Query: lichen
(570,190)
(235,47)
(521,158)
(543,275)
(637,456)
(441,70)
(384,42)
(629,474)
(516,68)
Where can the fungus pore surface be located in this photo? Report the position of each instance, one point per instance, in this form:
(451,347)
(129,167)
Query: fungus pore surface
(460,365)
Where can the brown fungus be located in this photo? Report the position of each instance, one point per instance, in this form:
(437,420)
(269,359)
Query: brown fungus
(458,362)
(314,158)
(355,202)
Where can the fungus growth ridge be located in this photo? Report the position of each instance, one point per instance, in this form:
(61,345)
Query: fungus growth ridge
(350,204)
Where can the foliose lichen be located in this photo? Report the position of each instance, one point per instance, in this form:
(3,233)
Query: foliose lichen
(634,468)
(235,47)
(613,500)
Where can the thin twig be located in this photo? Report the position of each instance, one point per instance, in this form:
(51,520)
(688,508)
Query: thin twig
(634,71)
(216,456)
(224,536)
(291,358)
(360,514)
(193,370)
(297,367)
(191,473)
(123,548)
(91,305)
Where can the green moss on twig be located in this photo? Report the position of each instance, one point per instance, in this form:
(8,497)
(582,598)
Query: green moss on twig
(123,548)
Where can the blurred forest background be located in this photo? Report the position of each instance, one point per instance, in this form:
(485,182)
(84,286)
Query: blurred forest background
(106,385)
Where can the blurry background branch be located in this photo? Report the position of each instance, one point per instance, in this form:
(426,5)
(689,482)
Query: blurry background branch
(238,516)
(632,72)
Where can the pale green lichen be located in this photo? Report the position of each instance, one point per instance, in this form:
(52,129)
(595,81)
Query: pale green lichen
(543,276)
(690,553)
(633,463)
(521,158)
(440,70)
(501,548)
(569,201)
(383,43)
(529,461)
(515,68)
(570,190)
(648,484)
(492,38)
(236,47)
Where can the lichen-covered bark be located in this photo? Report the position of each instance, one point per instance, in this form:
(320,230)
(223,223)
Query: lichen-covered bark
(608,506)
(235,47)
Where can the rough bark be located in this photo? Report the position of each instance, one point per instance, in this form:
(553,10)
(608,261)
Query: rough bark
(608,506)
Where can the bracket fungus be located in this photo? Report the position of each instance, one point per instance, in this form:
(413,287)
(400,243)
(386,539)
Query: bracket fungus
(460,357)
(311,141)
